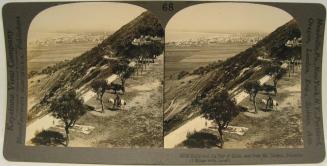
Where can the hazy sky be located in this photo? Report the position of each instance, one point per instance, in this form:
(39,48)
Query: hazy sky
(85,16)
(228,17)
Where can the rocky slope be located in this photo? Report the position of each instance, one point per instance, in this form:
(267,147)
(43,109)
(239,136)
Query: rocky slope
(185,94)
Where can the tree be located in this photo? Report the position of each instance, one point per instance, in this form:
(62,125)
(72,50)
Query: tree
(144,55)
(221,109)
(119,66)
(140,61)
(126,74)
(122,69)
(281,72)
(99,87)
(291,64)
(272,69)
(155,49)
(276,71)
(68,108)
(252,88)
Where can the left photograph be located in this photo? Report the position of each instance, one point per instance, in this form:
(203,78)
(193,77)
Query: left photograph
(95,77)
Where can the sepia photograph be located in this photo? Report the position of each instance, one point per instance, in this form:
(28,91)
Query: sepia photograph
(232,78)
(95,77)
(163,82)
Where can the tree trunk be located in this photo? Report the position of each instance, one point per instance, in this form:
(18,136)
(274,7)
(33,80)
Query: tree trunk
(221,139)
(67,135)
(266,105)
(289,69)
(123,82)
(293,67)
(254,104)
(114,105)
(102,104)
(141,66)
(73,124)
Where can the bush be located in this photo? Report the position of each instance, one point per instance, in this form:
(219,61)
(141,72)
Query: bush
(182,74)
(48,138)
(200,140)
(32,74)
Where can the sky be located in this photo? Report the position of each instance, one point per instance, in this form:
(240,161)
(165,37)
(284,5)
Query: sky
(209,17)
(228,17)
(87,16)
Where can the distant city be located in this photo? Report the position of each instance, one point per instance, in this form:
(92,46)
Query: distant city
(240,38)
(51,39)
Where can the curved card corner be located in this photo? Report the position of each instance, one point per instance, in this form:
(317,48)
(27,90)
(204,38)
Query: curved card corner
(7,155)
(321,157)
(6,7)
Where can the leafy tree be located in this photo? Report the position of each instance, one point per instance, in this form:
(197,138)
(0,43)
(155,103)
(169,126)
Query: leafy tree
(281,72)
(122,69)
(68,108)
(276,71)
(252,88)
(145,55)
(155,49)
(126,74)
(99,87)
(220,108)
(119,66)
(272,69)
(291,65)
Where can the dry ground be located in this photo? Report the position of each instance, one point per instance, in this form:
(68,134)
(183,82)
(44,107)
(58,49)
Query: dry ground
(138,124)
(276,129)
(272,129)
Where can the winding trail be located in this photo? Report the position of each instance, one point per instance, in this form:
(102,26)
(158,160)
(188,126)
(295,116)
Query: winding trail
(47,121)
(180,134)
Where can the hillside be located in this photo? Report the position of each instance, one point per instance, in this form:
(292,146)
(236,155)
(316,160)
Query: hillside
(97,63)
(185,94)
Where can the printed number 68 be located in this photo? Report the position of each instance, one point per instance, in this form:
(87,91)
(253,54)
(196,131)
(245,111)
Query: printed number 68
(168,6)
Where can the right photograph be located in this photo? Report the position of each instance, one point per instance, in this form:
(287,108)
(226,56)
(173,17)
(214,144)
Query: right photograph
(232,78)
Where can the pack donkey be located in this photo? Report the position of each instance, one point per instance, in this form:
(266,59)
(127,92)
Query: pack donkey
(117,102)
(269,88)
(116,87)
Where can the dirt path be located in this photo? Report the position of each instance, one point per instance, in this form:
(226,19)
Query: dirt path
(177,136)
(48,121)
(139,124)
(275,129)
(38,125)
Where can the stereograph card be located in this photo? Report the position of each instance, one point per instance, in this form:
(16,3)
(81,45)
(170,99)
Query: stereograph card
(158,82)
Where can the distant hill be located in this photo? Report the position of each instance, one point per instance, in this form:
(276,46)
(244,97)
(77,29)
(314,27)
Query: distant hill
(184,101)
(119,43)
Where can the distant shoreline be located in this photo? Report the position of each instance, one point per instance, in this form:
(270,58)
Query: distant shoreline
(178,36)
(48,48)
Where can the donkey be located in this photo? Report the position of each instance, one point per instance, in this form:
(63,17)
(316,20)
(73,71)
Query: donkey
(269,88)
(120,103)
(116,87)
